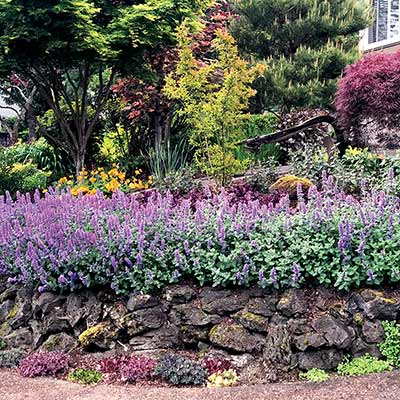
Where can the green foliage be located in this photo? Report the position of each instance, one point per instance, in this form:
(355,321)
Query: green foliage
(363,365)
(305,45)
(180,181)
(214,100)
(263,175)
(72,51)
(3,344)
(314,375)
(15,176)
(10,358)
(179,370)
(358,168)
(167,159)
(114,147)
(390,347)
(85,376)
(258,125)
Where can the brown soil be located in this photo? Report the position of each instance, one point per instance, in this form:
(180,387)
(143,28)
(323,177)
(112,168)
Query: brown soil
(373,387)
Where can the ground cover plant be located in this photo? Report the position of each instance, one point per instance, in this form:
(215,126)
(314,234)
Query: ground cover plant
(85,376)
(314,375)
(43,364)
(390,347)
(363,365)
(63,242)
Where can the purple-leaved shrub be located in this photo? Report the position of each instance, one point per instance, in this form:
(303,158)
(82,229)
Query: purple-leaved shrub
(43,364)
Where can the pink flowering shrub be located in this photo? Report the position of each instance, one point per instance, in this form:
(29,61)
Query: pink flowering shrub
(43,364)
(370,88)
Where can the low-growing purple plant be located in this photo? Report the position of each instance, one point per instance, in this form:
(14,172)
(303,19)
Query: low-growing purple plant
(43,364)
(137,369)
(217,365)
(61,242)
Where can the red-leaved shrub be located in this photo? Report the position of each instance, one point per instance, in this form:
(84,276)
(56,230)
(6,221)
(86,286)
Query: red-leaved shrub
(370,89)
(43,364)
(217,365)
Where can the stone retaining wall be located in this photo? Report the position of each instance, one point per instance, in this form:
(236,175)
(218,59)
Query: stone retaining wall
(299,328)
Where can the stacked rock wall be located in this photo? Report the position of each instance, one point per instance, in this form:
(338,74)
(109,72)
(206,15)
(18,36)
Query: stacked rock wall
(299,328)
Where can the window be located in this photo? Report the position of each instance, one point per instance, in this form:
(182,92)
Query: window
(386,27)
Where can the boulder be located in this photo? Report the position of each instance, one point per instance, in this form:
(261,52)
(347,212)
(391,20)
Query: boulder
(232,336)
(179,294)
(258,372)
(309,341)
(252,322)
(222,302)
(372,332)
(360,347)
(164,338)
(190,314)
(322,359)
(263,306)
(47,303)
(83,306)
(6,310)
(19,339)
(277,351)
(335,332)
(376,305)
(141,301)
(293,303)
(59,342)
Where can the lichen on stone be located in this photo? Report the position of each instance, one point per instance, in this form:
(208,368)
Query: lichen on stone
(87,336)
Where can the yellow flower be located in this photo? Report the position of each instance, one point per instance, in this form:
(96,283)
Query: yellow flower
(92,180)
(69,183)
(63,180)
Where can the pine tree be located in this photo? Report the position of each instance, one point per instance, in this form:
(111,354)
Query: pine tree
(305,45)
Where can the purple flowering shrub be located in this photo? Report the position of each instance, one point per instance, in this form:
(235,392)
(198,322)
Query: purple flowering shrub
(61,242)
(43,364)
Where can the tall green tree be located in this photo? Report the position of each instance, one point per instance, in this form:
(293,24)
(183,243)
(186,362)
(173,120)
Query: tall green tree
(72,51)
(305,45)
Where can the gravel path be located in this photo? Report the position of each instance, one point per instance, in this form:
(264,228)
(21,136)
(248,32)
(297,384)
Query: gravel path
(373,387)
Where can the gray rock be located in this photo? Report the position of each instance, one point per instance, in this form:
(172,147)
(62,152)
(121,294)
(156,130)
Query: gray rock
(293,303)
(83,306)
(321,359)
(59,342)
(141,301)
(222,301)
(277,351)
(372,332)
(47,303)
(149,318)
(263,306)
(234,337)
(190,314)
(165,338)
(376,305)
(359,348)
(258,372)
(253,322)
(335,332)
(19,339)
(309,341)
(179,294)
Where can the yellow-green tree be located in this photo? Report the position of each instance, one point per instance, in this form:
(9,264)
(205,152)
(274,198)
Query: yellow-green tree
(214,97)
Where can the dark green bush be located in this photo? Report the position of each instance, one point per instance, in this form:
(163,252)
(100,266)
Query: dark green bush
(179,370)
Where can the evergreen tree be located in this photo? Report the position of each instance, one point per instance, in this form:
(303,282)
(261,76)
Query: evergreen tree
(305,45)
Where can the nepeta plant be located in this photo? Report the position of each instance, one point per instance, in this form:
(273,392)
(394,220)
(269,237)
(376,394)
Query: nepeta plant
(60,242)
(43,364)
(179,370)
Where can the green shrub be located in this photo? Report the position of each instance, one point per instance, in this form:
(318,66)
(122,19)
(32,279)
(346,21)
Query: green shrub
(85,376)
(390,347)
(179,370)
(263,175)
(3,344)
(363,365)
(11,358)
(314,375)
